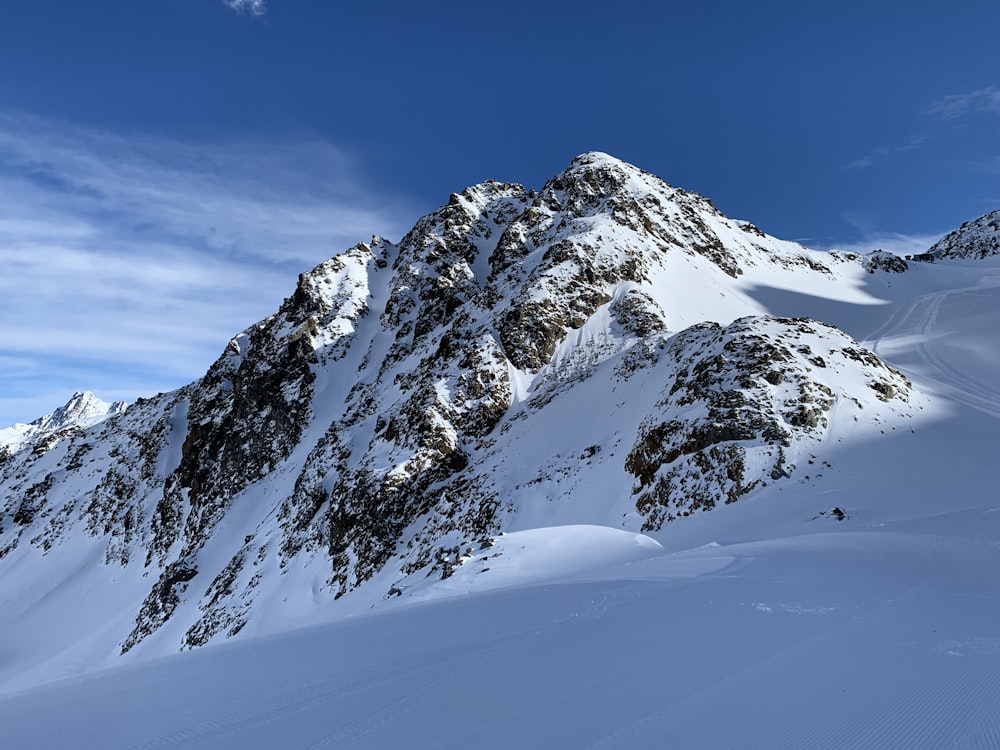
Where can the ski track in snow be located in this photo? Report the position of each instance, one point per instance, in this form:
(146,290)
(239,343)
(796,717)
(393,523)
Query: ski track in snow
(956,709)
(427,677)
(913,701)
(795,643)
(369,723)
(247,719)
(953,709)
(917,320)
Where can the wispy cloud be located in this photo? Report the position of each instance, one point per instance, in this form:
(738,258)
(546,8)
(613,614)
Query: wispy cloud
(129,262)
(885,152)
(955,106)
(892,242)
(949,109)
(873,238)
(253,7)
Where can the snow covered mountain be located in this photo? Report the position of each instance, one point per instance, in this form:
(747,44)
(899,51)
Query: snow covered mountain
(528,386)
(83,410)
(979,238)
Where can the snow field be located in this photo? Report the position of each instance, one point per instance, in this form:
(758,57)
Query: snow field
(774,622)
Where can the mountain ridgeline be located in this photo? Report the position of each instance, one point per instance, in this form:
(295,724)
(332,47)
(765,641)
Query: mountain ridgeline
(591,352)
(976,239)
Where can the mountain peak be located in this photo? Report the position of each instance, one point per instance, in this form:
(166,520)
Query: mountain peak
(83,409)
(602,171)
(975,239)
(83,406)
(599,158)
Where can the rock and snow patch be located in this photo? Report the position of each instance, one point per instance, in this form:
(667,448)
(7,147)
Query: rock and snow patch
(83,409)
(746,403)
(975,239)
(880,260)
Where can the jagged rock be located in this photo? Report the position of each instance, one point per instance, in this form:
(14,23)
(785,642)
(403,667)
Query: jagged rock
(161,601)
(751,394)
(974,239)
(880,260)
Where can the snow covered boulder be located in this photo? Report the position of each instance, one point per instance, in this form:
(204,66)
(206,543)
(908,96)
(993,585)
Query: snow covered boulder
(879,260)
(746,402)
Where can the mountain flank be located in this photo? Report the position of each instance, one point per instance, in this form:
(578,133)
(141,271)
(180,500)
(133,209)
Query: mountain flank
(591,352)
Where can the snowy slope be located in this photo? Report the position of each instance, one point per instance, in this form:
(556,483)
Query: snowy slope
(480,462)
(83,409)
(866,634)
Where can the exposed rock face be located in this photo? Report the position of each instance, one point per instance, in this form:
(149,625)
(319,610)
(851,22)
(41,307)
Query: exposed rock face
(747,400)
(599,224)
(883,261)
(974,239)
(410,400)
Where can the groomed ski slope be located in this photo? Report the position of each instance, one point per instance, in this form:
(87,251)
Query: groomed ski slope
(765,624)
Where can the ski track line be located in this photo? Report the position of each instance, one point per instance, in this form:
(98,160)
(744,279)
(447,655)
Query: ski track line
(968,391)
(370,722)
(812,732)
(935,714)
(987,737)
(319,692)
(297,700)
(628,735)
(924,311)
(474,735)
(894,323)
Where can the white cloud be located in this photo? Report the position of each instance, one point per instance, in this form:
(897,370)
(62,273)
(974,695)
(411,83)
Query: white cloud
(253,7)
(955,106)
(893,242)
(128,263)
(884,152)
(872,237)
(949,108)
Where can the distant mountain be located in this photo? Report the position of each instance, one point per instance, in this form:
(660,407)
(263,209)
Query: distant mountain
(599,351)
(83,409)
(974,239)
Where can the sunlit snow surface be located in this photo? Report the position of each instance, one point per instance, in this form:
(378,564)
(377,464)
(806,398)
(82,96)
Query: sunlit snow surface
(764,624)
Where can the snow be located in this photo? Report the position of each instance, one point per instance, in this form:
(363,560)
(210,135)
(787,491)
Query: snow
(948,338)
(855,637)
(539,555)
(763,624)
(83,409)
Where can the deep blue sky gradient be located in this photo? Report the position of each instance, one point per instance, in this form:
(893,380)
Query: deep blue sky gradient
(760,106)
(837,124)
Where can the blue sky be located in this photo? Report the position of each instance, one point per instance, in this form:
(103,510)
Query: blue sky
(167,167)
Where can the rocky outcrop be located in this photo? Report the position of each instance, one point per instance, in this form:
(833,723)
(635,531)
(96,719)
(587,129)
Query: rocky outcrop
(415,414)
(746,401)
(879,260)
(974,240)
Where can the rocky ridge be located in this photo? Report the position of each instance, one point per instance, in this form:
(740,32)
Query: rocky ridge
(518,357)
(975,239)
